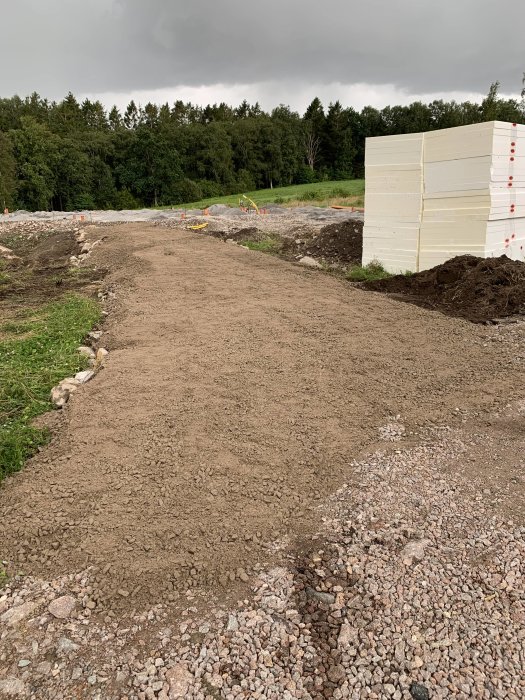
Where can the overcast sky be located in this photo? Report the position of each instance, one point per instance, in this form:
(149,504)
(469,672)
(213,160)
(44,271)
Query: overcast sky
(273,51)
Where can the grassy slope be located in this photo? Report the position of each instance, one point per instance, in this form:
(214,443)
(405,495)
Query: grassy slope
(318,193)
(36,352)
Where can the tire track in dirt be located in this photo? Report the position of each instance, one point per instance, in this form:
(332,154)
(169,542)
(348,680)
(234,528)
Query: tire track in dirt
(238,391)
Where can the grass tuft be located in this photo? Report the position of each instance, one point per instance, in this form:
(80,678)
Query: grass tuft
(372,271)
(269,245)
(30,366)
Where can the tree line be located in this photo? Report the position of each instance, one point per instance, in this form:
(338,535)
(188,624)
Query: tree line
(73,155)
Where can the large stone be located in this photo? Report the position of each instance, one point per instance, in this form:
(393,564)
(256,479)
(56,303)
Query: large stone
(85,376)
(309,262)
(62,607)
(336,674)
(70,383)
(233,624)
(15,615)
(414,551)
(60,395)
(66,646)
(102,353)
(12,688)
(7,253)
(180,681)
(348,636)
(419,692)
(86,351)
(326,598)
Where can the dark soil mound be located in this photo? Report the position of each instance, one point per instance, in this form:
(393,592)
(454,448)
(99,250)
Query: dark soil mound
(340,242)
(53,251)
(477,289)
(243,234)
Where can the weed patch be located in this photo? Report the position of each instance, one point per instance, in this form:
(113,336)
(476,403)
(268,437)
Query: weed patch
(372,271)
(32,365)
(269,245)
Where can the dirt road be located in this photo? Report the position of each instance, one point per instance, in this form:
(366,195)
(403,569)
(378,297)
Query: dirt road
(167,535)
(238,391)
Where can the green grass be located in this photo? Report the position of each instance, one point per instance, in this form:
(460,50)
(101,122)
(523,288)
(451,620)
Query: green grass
(269,245)
(30,366)
(320,193)
(372,271)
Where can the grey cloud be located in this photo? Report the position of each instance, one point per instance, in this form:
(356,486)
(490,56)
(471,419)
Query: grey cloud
(124,45)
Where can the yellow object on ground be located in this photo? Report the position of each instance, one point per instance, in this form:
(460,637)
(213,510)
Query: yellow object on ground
(251,202)
(198,227)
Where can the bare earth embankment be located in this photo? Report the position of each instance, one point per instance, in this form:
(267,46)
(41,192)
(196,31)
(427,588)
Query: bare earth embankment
(226,449)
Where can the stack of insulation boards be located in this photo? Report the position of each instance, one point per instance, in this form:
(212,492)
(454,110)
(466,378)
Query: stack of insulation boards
(472,197)
(393,200)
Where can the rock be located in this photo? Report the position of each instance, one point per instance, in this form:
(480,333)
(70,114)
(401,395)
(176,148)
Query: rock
(7,253)
(95,335)
(414,551)
(66,646)
(102,353)
(419,692)
(233,624)
(86,351)
(347,635)
(180,681)
(76,673)
(85,376)
(70,384)
(23,663)
(15,615)
(12,688)
(44,668)
(60,395)
(62,607)
(309,262)
(242,575)
(326,598)
(336,674)
(86,247)
(417,662)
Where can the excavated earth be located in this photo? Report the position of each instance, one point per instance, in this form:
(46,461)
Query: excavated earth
(241,395)
(478,289)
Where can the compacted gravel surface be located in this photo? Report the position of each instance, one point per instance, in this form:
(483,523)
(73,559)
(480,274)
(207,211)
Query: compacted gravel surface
(279,487)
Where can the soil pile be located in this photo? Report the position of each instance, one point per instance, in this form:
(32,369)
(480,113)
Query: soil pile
(340,242)
(42,268)
(476,289)
(244,234)
(53,251)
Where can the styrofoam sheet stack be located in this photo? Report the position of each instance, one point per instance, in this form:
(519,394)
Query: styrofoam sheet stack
(472,177)
(393,200)
(472,197)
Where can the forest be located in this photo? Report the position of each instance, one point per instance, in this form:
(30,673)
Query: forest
(73,155)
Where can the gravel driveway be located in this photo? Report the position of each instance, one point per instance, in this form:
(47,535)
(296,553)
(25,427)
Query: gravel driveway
(269,492)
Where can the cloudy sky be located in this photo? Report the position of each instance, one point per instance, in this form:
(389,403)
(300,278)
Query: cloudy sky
(273,51)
